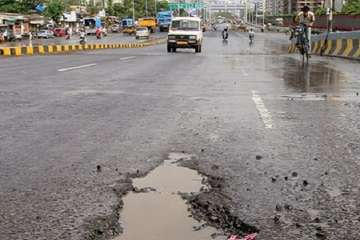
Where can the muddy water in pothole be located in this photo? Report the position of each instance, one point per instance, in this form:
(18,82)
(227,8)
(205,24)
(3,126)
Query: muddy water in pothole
(160,213)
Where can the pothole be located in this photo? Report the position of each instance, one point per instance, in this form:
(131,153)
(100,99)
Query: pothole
(155,210)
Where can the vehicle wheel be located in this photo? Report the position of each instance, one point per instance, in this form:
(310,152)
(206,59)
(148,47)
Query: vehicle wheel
(198,49)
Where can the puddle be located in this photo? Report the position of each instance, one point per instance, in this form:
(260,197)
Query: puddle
(158,212)
(311,78)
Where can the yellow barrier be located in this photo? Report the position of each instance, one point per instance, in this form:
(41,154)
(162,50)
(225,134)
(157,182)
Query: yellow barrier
(43,49)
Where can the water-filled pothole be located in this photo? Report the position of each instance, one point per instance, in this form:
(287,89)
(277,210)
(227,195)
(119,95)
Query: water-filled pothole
(156,211)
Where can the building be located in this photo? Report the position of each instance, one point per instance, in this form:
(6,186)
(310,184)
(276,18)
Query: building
(274,7)
(235,7)
(338,4)
(102,2)
(17,23)
(291,6)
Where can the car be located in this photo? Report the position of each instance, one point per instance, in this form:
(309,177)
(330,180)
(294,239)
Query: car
(185,32)
(59,32)
(45,34)
(9,35)
(142,32)
(115,28)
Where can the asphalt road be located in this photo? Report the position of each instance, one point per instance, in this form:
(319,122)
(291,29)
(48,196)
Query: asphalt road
(74,127)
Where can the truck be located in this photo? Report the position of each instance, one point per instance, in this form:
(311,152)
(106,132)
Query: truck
(148,22)
(128,25)
(164,20)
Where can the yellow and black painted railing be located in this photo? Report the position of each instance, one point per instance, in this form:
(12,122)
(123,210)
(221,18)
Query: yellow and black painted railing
(53,49)
(340,47)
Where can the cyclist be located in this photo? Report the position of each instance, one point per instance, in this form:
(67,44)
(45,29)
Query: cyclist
(307,18)
(251,35)
(225,33)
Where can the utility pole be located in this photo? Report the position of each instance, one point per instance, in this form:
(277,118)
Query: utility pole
(246,11)
(264,10)
(256,13)
(146,8)
(330,23)
(155,8)
(133,11)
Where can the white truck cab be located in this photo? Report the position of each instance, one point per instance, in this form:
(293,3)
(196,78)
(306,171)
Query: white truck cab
(185,32)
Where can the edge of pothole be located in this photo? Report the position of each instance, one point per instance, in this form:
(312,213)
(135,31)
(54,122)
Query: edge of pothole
(210,205)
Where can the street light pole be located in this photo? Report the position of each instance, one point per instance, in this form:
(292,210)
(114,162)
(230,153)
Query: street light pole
(264,10)
(246,11)
(155,8)
(133,10)
(256,13)
(331,16)
(146,8)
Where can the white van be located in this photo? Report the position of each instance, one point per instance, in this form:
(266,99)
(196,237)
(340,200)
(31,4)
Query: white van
(185,32)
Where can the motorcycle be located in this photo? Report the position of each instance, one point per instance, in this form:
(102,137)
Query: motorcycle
(83,38)
(98,34)
(225,34)
(251,38)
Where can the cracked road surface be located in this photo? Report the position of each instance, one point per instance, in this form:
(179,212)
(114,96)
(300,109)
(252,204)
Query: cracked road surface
(282,137)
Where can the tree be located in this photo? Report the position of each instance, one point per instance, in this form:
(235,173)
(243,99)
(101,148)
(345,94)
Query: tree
(352,7)
(162,5)
(15,6)
(110,8)
(320,11)
(55,9)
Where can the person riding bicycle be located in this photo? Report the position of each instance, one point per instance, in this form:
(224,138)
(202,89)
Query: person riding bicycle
(307,18)
(225,33)
(251,34)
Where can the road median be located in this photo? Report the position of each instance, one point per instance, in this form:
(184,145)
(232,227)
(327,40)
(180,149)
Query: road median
(340,44)
(64,48)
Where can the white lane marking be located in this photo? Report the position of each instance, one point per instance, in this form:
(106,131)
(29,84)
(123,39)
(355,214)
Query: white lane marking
(127,58)
(244,73)
(264,113)
(77,67)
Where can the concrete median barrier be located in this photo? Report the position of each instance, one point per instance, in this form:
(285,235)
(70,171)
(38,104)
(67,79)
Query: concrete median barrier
(59,49)
(343,44)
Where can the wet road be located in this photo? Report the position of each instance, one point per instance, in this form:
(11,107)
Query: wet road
(282,137)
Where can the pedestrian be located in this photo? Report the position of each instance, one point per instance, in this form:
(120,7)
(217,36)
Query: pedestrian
(30,39)
(70,32)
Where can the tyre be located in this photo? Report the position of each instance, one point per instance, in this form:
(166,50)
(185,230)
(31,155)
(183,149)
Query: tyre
(198,49)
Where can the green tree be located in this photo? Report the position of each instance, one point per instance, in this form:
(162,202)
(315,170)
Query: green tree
(320,11)
(55,9)
(15,6)
(352,7)
(110,8)
(162,5)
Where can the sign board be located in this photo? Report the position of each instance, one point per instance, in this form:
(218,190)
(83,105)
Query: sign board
(174,6)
